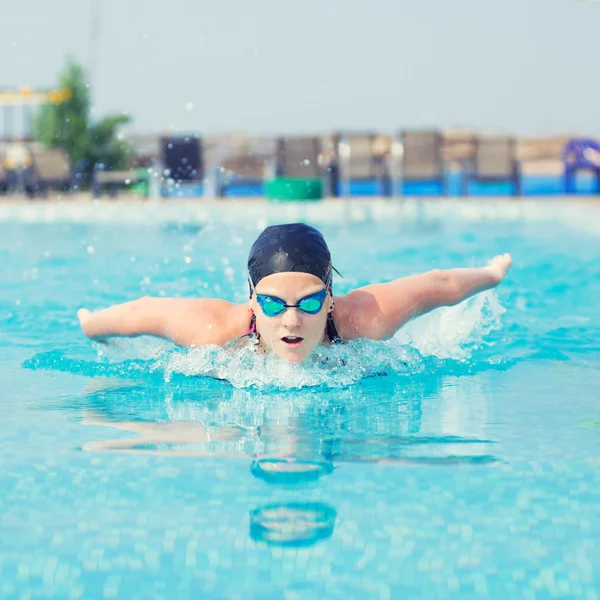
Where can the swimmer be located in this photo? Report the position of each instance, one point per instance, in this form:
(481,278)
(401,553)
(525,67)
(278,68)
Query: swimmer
(292,309)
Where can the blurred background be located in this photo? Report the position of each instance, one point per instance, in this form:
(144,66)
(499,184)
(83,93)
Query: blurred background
(213,98)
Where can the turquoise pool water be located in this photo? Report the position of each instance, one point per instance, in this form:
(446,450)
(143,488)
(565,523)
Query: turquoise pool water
(458,460)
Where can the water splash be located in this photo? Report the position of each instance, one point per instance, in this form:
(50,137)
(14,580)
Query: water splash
(454,331)
(333,367)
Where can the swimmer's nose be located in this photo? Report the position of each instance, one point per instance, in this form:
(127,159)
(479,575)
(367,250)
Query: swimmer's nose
(291,319)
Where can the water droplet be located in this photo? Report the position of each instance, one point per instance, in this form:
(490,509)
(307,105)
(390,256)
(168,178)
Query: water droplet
(91,249)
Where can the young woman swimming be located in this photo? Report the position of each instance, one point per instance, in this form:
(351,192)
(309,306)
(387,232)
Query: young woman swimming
(292,309)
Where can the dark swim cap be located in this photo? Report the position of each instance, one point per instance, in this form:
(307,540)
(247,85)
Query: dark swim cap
(294,247)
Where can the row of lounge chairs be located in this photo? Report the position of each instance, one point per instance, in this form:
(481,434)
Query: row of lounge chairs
(341,161)
(414,158)
(48,169)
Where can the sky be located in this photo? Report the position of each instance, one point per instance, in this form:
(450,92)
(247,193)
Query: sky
(308,66)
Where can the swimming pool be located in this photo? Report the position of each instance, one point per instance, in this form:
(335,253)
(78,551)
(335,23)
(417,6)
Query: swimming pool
(460,459)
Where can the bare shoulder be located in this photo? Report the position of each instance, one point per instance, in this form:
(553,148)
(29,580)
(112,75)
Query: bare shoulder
(202,321)
(366,312)
(353,312)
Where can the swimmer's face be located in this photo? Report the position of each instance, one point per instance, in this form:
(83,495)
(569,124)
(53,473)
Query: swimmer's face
(293,334)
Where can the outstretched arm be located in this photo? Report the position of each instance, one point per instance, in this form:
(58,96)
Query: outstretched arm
(186,322)
(378,311)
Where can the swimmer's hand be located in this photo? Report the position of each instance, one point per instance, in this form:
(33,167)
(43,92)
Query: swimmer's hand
(84,315)
(499,266)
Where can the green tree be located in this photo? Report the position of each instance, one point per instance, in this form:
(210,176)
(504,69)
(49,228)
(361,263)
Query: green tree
(68,125)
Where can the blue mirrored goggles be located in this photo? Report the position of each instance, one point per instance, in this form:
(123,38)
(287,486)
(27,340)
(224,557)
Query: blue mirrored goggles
(273,306)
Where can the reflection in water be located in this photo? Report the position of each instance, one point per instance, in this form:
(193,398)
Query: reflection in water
(293,524)
(296,438)
(290,471)
(165,438)
(297,435)
(464,407)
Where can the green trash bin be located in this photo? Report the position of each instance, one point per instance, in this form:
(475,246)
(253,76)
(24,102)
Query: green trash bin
(295,188)
(140,186)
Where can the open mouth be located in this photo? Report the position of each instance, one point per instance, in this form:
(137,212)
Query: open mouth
(292,341)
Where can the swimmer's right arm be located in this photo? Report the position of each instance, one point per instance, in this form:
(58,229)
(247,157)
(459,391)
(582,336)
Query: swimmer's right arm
(377,311)
(185,321)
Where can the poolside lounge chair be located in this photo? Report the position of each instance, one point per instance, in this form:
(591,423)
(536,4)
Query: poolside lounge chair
(494,161)
(249,171)
(49,169)
(582,154)
(146,149)
(183,158)
(112,181)
(302,157)
(355,159)
(417,158)
(240,166)
(3,178)
(298,157)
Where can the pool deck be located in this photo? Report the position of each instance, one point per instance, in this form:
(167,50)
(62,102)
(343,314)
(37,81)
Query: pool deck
(579,212)
(131,200)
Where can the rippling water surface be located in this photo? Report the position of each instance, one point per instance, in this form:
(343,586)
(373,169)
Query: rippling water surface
(458,459)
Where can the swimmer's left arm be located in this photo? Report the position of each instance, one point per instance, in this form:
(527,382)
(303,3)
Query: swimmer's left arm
(377,311)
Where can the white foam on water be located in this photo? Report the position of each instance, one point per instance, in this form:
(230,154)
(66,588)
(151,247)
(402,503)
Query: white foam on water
(454,331)
(329,367)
